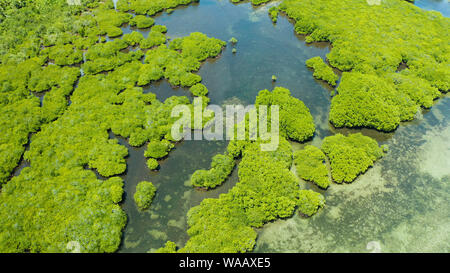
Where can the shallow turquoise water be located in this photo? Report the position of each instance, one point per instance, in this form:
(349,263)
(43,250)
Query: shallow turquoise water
(401,204)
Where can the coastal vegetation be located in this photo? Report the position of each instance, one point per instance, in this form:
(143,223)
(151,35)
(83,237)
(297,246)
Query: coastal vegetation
(309,202)
(249,204)
(63,54)
(266,190)
(296,122)
(158,149)
(141,21)
(199,90)
(221,167)
(71,82)
(108,56)
(322,71)
(366,100)
(145,191)
(309,164)
(273,14)
(254,2)
(142,7)
(152,164)
(169,247)
(182,57)
(350,155)
(156,37)
(373,93)
(73,129)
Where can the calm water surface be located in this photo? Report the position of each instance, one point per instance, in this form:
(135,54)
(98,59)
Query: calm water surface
(402,204)
(442,6)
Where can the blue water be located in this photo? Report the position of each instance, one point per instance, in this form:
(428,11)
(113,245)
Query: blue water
(442,6)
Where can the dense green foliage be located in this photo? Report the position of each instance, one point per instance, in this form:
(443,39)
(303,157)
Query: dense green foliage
(218,225)
(109,21)
(310,166)
(58,199)
(266,190)
(198,46)
(259,2)
(159,28)
(254,2)
(309,202)
(55,194)
(141,21)
(133,38)
(152,164)
(273,14)
(366,100)
(221,168)
(374,94)
(42,213)
(155,37)
(235,148)
(158,149)
(322,71)
(417,89)
(63,54)
(26,26)
(145,191)
(295,120)
(169,247)
(183,57)
(150,7)
(43,79)
(21,111)
(108,56)
(350,155)
(199,90)
(35,37)
(77,139)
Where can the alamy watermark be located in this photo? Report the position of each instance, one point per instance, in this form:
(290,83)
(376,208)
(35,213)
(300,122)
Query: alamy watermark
(73,247)
(239,122)
(74,2)
(374,247)
(374,2)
